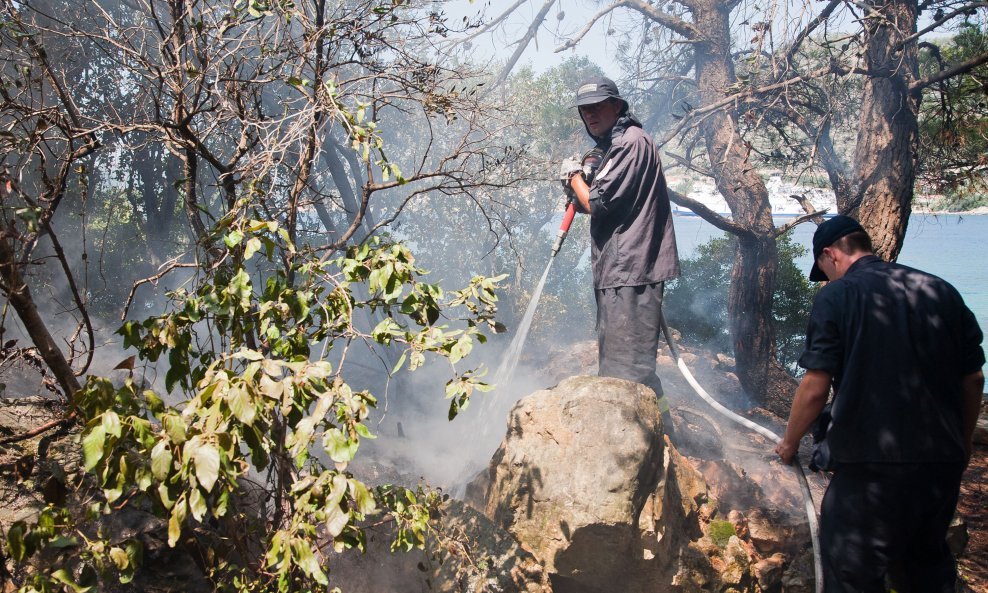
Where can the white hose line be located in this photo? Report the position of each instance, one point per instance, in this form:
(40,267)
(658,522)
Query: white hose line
(804,486)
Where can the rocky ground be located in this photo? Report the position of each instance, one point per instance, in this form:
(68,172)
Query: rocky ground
(973,563)
(738,467)
(706,432)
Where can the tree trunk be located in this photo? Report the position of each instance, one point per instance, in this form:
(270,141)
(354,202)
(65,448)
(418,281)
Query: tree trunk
(756,260)
(885,155)
(19,296)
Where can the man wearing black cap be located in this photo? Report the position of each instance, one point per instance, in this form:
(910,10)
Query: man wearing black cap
(633,246)
(903,354)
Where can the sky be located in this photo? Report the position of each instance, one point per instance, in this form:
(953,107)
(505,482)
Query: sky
(540,54)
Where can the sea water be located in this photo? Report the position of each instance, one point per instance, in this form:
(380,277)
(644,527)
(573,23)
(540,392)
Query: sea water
(950,246)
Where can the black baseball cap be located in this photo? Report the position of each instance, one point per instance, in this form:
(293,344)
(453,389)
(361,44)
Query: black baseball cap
(595,90)
(826,235)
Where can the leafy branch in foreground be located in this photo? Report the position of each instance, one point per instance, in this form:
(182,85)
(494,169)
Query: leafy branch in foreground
(263,437)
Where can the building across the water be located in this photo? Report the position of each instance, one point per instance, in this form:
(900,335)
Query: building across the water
(780,197)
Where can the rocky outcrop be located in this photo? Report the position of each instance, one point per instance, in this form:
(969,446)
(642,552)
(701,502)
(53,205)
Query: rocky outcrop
(585,480)
(573,473)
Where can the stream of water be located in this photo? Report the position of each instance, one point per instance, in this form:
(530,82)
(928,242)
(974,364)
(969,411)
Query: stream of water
(510,361)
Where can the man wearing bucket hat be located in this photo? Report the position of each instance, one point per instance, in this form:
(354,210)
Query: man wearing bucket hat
(903,354)
(633,246)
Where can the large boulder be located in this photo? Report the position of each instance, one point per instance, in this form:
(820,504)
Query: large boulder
(586,481)
(572,476)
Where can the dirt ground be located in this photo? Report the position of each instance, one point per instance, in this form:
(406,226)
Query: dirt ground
(973,565)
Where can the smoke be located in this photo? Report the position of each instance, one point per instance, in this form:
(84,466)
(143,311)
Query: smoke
(417,441)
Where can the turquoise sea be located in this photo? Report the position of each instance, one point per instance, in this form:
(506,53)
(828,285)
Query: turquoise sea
(949,245)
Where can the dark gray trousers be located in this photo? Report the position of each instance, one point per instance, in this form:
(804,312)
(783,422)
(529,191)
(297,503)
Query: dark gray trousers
(889,521)
(628,326)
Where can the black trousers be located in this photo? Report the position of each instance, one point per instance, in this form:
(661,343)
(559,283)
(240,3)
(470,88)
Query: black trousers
(628,326)
(889,521)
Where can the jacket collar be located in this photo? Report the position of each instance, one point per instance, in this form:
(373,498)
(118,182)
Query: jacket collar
(624,121)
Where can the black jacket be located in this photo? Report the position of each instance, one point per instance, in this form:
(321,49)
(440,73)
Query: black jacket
(897,341)
(632,238)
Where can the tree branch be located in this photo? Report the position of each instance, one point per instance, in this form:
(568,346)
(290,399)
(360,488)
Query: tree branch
(678,25)
(709,215)
(961,68)
(533,29)
(19,296)
(962,10)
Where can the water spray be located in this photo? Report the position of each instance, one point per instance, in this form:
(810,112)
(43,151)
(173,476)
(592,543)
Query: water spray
(589,163)
(804,485)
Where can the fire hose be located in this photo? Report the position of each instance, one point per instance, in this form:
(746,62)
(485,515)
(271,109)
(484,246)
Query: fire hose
(590,162)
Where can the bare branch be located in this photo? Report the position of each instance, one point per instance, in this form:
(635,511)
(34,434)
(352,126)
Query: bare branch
(489,25)
(812,214)
(936,24)
(533,29)
(962,68)
(803,35)
(678,25)
(709,215)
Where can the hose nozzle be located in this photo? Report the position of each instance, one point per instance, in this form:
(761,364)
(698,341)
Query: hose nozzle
(564,227)
(560,237)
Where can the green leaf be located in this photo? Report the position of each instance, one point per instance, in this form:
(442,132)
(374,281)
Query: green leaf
(363,431)
(307,561)
(175,428)
(207,461)
(233,238)
(401,361)
(92,447)
(339,448)
(241,404)
(253,245)
(63,541)
(119,558)
(164,496)
(65,577)
(336,520)
(15,542)
(197,504)
(222,503)
(360,493)
(161,460)
(299,440)
(111,423)
(143,478)
(175,522)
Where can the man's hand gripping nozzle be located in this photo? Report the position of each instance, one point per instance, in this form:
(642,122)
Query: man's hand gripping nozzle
(567,169)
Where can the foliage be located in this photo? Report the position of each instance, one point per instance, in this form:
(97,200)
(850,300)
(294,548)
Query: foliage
(721,532)
(696,302)
(954,122)
(260,397)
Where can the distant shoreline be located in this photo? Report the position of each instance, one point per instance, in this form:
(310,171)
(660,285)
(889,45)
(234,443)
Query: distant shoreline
(979,211)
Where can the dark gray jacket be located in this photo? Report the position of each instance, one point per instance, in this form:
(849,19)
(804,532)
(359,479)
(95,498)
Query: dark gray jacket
(632,239)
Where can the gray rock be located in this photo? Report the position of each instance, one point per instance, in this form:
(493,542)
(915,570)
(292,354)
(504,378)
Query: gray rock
(573,474)
(585,480)
(957,535)
(768,572)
